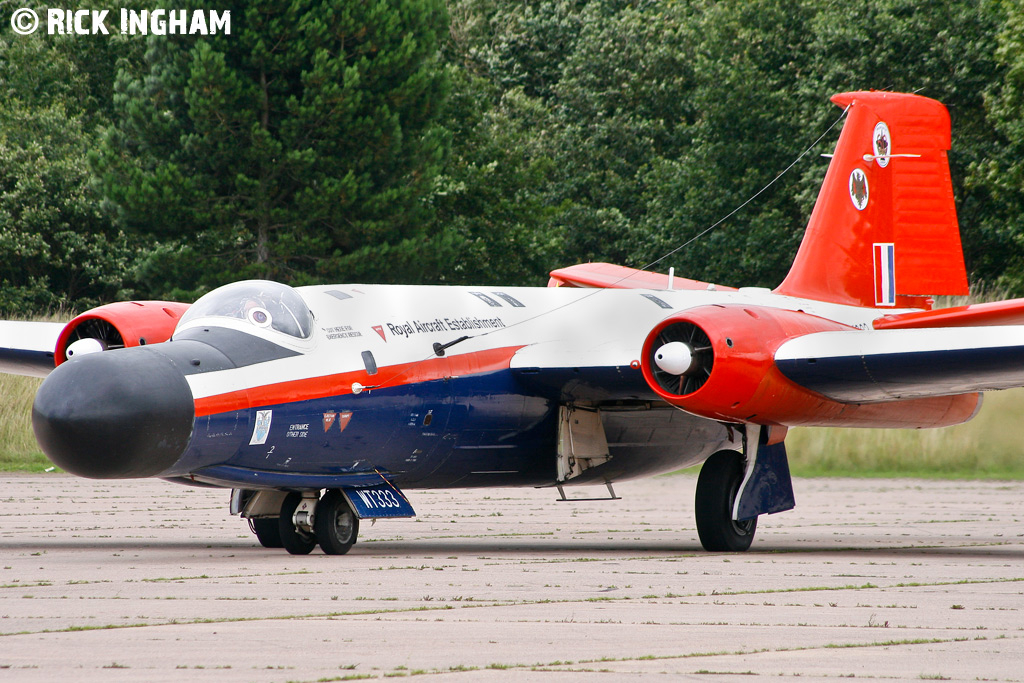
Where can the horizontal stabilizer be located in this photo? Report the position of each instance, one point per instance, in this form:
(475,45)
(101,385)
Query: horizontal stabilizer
(611,276)
(887,365)
(1009,312)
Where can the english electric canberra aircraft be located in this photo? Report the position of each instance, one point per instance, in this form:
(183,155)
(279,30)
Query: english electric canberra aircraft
(320,406)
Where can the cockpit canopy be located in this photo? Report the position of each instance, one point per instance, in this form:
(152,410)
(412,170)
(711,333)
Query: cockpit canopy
(261,303)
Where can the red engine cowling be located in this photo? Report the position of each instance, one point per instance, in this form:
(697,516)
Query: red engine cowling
(727,372)
(122,324)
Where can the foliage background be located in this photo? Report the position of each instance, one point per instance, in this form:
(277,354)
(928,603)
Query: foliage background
(424,141)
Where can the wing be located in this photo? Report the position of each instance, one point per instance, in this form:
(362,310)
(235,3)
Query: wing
(26,348)
(884,365)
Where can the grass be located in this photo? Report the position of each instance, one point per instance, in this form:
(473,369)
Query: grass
(18,449)
(991,446)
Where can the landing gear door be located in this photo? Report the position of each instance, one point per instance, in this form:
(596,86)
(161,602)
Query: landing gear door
(378,502)
(582,443)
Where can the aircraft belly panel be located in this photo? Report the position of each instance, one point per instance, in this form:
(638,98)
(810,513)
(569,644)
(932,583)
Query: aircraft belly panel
(498,435)
(648,442)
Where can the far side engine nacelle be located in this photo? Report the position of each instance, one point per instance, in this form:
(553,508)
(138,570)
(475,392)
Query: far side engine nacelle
(118,325)
(718,362)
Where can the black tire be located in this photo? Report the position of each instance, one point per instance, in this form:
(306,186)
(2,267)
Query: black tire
(336,525)
(295,541)
(717,487)
(267,530)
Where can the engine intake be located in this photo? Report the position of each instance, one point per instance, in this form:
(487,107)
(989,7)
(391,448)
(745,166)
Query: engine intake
(718,361)
(119,325)
(682,358)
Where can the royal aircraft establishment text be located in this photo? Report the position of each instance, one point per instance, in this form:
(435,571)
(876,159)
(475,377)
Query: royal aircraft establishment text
(445,325)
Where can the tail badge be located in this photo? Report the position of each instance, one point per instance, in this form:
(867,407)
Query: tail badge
(859,189)
(881,144)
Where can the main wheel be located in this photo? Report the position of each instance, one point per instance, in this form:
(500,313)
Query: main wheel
(717,488)
(336,525)
(294,540)
(267,530)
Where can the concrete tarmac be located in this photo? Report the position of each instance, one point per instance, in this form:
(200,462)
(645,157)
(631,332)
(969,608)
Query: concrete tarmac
(149,581)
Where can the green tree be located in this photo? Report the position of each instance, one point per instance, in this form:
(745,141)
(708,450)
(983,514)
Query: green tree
(996,177)
(493,214)
(746,125)
(57,247)
(289,149)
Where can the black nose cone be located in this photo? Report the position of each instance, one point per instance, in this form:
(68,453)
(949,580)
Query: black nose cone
(116,414)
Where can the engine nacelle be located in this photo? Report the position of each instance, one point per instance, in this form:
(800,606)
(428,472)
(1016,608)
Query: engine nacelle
(730,373)
(119,325)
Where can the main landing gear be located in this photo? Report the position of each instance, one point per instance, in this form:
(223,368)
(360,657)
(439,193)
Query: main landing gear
(306,521)
(717,487)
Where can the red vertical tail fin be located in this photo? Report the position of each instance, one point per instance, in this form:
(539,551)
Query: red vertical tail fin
(883,232)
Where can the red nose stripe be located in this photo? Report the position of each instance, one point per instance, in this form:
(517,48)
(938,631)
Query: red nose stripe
(433,368)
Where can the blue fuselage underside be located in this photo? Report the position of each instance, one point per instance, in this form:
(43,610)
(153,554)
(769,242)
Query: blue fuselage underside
(481,430)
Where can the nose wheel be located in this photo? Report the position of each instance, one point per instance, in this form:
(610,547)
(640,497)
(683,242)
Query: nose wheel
(336,526)
(295,539)
(267,530)
(305,522)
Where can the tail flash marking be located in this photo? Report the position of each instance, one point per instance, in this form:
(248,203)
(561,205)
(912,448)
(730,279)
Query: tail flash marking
(885,274)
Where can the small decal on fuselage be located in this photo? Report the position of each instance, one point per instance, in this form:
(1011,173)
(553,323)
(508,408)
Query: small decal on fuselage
(486,299)
(341,418)
(659,302)
(509,299)
(297,431)
(342,332)
(262,429)
(379,329)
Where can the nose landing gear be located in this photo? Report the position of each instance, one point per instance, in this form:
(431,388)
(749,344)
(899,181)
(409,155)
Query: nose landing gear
(299,521)
(305,522)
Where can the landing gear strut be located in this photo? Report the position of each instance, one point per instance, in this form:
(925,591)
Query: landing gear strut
(717,488)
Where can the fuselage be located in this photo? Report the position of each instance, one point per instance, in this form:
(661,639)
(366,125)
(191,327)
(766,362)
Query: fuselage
(266,386)
(364,393)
